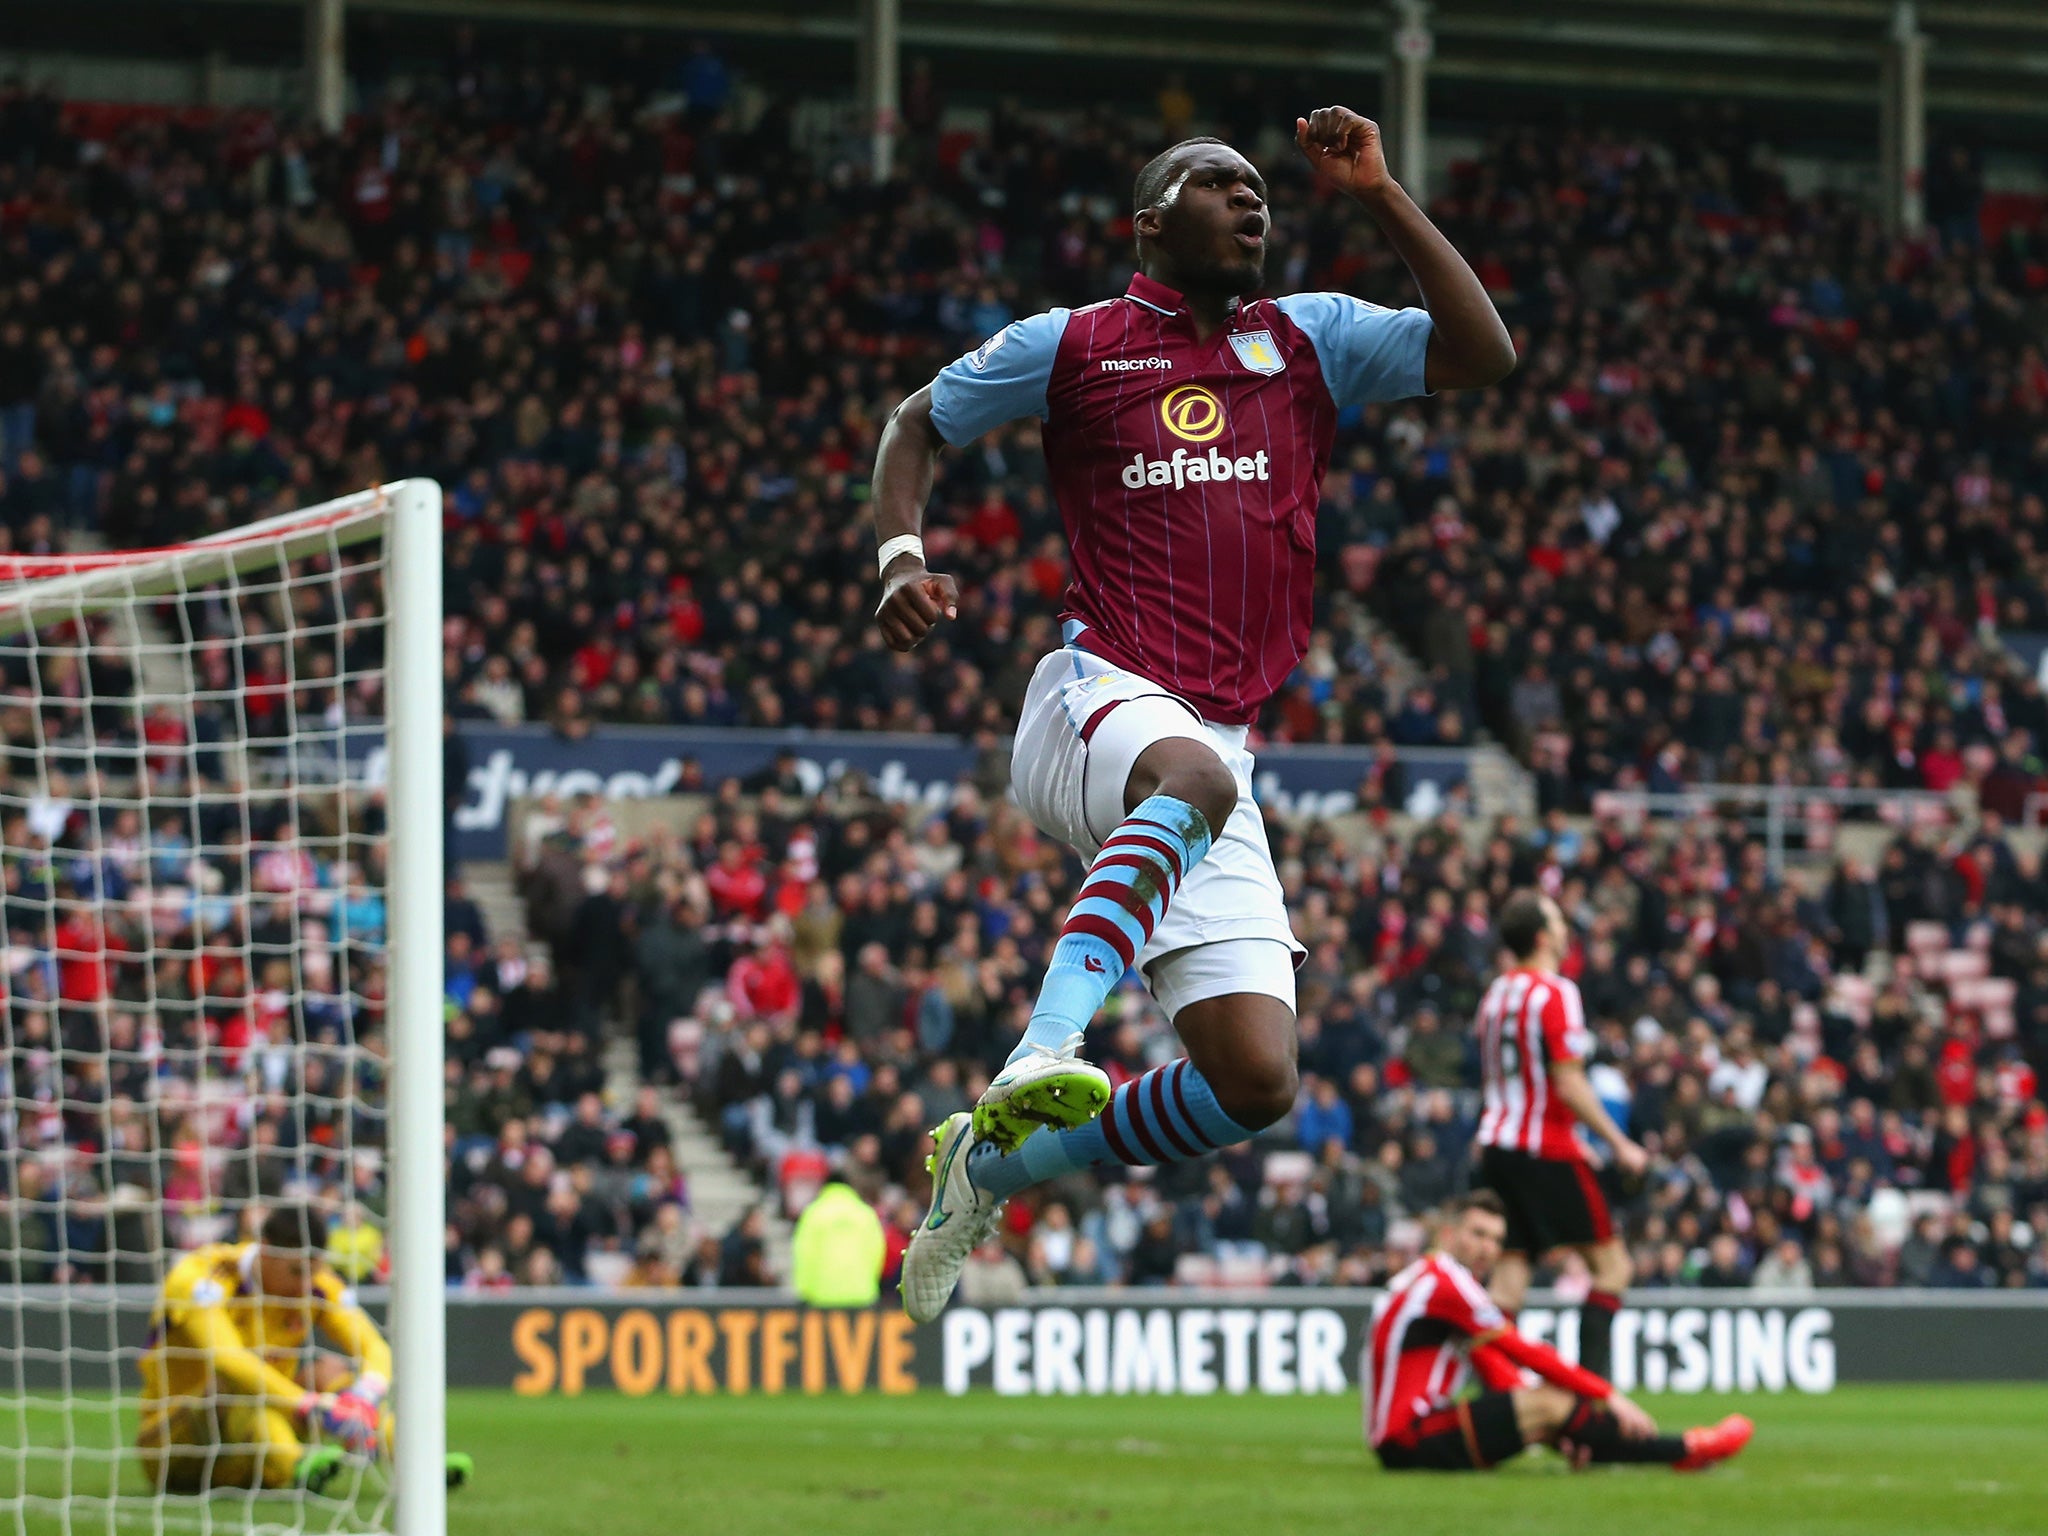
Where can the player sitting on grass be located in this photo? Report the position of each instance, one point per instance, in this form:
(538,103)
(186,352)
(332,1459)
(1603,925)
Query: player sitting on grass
(231,1396)
(1435,1327)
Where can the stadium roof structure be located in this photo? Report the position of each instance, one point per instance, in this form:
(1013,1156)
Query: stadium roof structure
(1983,57)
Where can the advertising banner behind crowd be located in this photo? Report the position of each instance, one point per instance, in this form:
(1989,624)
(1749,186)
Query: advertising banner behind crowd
(1283,1343)
(508,763)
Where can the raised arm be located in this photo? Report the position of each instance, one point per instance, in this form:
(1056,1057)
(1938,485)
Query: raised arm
(913,598)
(1469,344)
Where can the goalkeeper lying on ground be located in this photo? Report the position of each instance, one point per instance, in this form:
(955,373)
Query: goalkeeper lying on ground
(235,1392)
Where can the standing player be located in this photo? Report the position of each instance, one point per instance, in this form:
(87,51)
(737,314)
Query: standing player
(1187,431)
(1434,1328)
(1533,1045)
(230,1398)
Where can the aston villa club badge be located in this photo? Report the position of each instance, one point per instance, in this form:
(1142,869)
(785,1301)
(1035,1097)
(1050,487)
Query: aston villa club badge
(1255,349)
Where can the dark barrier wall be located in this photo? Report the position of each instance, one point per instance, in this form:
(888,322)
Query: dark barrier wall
(568,1342)
(633,762)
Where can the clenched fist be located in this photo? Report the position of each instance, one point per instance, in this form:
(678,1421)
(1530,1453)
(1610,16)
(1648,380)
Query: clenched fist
(1344,149)
(913,600)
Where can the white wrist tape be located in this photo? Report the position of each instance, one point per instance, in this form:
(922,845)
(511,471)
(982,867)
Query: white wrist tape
(902,544)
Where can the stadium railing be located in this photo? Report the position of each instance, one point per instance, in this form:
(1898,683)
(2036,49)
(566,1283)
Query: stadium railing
(1792,819)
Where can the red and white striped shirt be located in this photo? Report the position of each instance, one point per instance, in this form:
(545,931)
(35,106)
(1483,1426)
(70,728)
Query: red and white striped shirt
(1529,1020)
(1422,1329)
(1432,1330)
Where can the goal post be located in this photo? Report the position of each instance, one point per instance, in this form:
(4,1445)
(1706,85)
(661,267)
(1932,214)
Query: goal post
(221,823)
(419,1324)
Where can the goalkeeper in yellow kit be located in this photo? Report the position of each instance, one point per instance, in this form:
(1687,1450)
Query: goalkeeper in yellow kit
(235,1392)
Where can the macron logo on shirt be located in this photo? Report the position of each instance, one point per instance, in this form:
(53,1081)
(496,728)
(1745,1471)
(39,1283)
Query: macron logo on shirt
(1195,469)
(1136,364)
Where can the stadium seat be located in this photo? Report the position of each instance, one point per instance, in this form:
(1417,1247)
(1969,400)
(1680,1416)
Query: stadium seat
(1288,1167)
(1928,1202)
(1891,1217)
(1991,998)
(1194,1269)
(607,1268)
(1924,938)
(1963,965)
(1852,996)
(1242,1270)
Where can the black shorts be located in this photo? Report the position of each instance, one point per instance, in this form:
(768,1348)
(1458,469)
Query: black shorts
(1552,1202)
(1465,1437)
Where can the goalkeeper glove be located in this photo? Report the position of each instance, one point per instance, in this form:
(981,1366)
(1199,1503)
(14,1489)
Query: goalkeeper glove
(349,1419)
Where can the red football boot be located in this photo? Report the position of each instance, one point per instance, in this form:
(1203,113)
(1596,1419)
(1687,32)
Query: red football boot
(1714,1442)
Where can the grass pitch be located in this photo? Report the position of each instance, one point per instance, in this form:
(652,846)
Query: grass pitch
(1865,1461)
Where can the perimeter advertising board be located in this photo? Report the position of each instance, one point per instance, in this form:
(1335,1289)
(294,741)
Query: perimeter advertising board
(1306,1343)
(1093,1343)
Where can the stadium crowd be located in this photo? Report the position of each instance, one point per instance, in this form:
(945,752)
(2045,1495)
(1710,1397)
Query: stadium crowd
(1757,506)
(828,977)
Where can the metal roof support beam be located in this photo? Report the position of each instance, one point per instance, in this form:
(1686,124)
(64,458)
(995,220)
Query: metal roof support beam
(213,69)
(1411,45)
(326,67)
(1802,51)
(1902,123)
(879,50)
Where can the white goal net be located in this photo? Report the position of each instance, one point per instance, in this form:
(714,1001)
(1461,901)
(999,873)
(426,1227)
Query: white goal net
(220,834)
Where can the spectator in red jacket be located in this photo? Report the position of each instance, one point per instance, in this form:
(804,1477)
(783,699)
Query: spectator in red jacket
(763,984)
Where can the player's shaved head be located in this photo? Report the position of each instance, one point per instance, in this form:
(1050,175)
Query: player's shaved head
(1150,187)
(1199,215)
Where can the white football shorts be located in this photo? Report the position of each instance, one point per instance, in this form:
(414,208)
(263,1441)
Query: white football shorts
(1226,929)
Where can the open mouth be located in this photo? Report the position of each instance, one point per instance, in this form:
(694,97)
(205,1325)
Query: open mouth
(1251,233)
